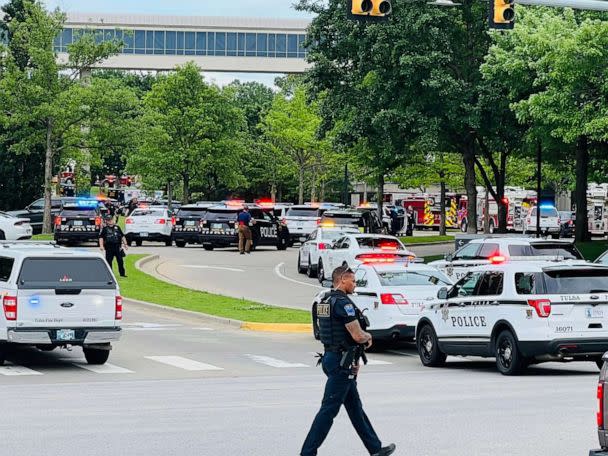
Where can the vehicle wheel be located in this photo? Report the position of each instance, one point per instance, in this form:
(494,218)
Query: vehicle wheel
(3,353)
(463,226)
(491,227)
(310,270)
(509,360)
(139,242)
(428,348)
(301,270)
(599,363)
(283,244)
(129,242)
(320,271)
(46,348)
(208,247)
(2,236)
(96,355)
(180,244)
(168,242)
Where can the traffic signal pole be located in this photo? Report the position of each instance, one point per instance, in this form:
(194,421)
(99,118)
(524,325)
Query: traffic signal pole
(592,5)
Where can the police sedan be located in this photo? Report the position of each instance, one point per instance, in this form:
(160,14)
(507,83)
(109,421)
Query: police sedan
(391,295)
(353,249)
(519,312)
(319,240)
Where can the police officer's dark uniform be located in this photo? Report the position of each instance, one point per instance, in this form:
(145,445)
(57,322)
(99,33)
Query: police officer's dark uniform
(334,312)
(112,243)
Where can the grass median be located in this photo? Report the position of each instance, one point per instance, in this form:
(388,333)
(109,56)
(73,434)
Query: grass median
(143,287)
(408,240)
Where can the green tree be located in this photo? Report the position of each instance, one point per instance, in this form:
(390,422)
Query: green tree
(190,131)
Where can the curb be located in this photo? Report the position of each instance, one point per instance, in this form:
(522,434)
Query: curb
(245,325)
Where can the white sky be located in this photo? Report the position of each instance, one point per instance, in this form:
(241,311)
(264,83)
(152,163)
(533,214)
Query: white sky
(246,8)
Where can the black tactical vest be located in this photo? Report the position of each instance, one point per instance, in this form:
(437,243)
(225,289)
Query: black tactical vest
(112,236)
(331,329)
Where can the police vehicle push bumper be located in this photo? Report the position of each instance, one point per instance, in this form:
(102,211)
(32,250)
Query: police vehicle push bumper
(219,240)
(189,237)
(76,236)
(576,349)
(73,336)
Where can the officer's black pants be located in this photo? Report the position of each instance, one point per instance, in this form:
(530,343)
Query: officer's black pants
(113,251)
(339,390)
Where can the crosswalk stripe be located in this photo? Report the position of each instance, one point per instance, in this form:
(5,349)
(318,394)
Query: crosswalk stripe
(106,368)
(13,370)
(183,363)
(273,362)
(377,362)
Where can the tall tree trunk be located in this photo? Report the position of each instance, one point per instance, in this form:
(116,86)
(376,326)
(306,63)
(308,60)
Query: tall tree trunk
(322,191)
(313,186)
(580,192)
(442,230)
(380,195)
(468,159)
(170,195)
(301,186)
(48,178)
(273,192)
(486,212)
(186,193)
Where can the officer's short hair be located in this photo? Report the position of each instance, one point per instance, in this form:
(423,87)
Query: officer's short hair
(340,272)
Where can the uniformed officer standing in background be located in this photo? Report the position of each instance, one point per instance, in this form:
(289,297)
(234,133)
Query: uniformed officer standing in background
(245,237)
(112,241)
(340,331)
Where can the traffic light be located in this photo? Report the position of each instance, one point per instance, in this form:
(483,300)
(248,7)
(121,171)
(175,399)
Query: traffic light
(502,14)
(371,9)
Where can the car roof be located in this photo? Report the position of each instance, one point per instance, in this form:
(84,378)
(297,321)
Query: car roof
(535,266)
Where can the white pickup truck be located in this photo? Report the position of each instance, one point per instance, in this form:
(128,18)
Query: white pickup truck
(57,297)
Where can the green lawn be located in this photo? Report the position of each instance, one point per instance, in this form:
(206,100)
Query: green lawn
(42,237)
(425,239)
(141,286)
(593,249)
(428,259)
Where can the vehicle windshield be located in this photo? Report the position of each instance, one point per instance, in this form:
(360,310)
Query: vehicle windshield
(76,212)
(342,219)
(331,235)
(587,281)
(412,278)
(148,213)
(545,212)
(312,212)
(73,273)
(191,212)
(379,243)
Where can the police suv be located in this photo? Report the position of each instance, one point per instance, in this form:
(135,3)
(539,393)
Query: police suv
(79,221)
(391,295)
(187,227)
(219,227)
(484,250)
(520,312)
(57,297)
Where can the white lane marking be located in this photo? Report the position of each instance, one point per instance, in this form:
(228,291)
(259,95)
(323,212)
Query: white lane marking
(149,327)
(277,271)
(273,362)
(106,368)
(204,329)
(402,353)
(200,266)
(184,363)
(14,370)
(377,362)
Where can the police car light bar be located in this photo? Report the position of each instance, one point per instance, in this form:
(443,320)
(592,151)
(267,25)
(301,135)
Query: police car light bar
(498,259)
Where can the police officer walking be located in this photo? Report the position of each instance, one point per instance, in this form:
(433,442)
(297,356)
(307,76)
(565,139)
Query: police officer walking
(245,238)
(113,241)
(340,332)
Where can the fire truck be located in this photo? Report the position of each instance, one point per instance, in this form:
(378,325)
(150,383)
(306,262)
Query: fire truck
(597,208)
(518,201)
(427,209)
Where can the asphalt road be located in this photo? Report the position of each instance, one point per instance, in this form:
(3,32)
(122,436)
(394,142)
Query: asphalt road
(187,387)
(267,275)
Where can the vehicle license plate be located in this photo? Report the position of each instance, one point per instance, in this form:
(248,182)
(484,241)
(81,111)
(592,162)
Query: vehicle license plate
(190,222)
(594,312)
(65,334)
(77,222)
(143,234)
(217,226)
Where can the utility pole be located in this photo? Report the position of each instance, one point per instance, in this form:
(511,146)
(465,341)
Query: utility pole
(345,190)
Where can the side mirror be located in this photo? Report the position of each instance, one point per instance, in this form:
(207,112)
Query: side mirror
(326,284)
(442,294)
(449,257)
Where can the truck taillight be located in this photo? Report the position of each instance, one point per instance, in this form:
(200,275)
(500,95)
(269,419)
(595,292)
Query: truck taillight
(10,307)
(600,405)
(57,221)
(542,307)
(118,315)
(390,298)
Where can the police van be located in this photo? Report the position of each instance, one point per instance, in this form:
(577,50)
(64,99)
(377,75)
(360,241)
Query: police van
(219,227)
(57,297)
(187,224)
(79,221)
(521,313)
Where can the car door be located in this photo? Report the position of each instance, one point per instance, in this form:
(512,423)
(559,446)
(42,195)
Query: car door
(453,312)
(367,300)
(484,310)
(341,254)
(308,245)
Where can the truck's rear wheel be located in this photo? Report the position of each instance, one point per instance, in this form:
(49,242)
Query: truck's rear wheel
(600,363)
(208,247)
(139,242)
(180,244)
(96,355)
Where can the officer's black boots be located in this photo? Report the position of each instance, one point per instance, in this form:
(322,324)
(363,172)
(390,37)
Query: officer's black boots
(385,451)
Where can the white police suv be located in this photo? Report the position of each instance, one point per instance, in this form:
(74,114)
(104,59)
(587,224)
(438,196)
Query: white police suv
(57,297)
(489,249)
(519,312)
(391,295)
